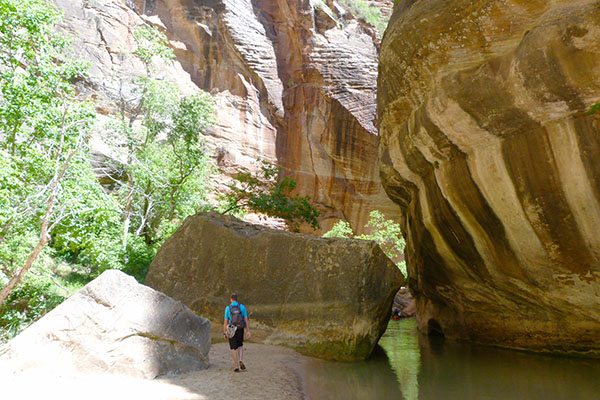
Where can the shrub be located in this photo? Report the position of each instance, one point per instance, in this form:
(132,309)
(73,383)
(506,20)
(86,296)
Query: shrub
(371,14)
(385,232)
(267,193)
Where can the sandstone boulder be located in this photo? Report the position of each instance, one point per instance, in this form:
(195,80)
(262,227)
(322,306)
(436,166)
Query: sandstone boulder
(329,298)
(404,304)
(113,325)
(488,147)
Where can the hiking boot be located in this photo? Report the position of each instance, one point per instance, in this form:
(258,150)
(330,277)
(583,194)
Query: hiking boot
(242,366)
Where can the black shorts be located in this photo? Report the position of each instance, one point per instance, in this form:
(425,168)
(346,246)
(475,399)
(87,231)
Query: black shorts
(237,340)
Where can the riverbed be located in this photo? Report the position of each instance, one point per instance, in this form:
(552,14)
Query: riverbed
(410,366)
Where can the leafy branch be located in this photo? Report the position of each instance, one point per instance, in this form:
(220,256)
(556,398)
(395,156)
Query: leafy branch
(267,193)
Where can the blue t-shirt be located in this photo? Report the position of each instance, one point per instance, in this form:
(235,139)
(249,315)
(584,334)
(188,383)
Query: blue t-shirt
(242,310)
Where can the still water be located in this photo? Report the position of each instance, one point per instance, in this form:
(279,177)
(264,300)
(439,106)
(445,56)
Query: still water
(409,366)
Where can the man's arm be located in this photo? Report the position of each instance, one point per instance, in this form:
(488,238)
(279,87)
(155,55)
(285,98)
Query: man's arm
(226,322)
(246,322)
(247,330)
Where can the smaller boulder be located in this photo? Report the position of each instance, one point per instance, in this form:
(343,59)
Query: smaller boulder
(404,304)
(324,18)
(114,325)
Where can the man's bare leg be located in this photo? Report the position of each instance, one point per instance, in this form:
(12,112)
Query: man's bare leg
(241,357)
(235,359)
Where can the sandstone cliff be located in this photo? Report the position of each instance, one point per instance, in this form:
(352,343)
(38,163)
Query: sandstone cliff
(294,84)
(487,146)
(329,298)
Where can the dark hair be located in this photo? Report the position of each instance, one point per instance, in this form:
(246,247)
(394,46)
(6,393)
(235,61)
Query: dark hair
(234,296)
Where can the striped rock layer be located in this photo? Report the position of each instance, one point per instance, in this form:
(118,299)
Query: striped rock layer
(488,147)
(295,85)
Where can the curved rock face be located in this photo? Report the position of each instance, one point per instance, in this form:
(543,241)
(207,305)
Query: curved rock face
(294,84)
(487,146)
(114,325)
(329,298)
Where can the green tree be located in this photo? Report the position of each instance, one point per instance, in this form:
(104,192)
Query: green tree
(87,232)
(166,169)
(266,193)
(55,218)
(369,13)
(340,229)
(43,128)
(385,232)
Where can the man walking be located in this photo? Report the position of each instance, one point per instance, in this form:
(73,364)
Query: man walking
(236,322)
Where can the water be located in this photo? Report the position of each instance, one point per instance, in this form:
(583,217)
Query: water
(409,366)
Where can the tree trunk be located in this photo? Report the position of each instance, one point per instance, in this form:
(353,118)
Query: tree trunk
(17,278)
(127,213)
(45,227)
(44,237)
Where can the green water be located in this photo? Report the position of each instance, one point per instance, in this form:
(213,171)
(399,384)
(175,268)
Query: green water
(409,366)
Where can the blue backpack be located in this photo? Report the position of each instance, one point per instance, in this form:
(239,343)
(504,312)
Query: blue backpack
(237,319)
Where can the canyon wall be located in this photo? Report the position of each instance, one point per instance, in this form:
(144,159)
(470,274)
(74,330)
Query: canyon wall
(294,84)
(488,146)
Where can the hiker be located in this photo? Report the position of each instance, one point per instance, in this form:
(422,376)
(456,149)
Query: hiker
(234,327)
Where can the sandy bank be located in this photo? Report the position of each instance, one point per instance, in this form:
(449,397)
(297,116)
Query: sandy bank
(273,373)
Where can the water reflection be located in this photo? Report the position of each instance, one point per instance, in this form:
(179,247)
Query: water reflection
(361,381)
(408,366)
(461,371)
(401,344)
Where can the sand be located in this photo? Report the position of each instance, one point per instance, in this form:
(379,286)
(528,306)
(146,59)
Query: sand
(272,373)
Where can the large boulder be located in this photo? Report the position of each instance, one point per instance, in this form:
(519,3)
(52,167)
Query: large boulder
(329,298)
(488,147)
(114,325)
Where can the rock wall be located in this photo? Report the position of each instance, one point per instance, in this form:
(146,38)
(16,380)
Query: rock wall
(102,32)
(328,298)
(488,147)
(294,84)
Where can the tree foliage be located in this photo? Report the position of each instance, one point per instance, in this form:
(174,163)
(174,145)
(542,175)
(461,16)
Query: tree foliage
(367,12)
(385,232)
(59,228)
(166,168)
(44,129)
(340,229)
(266,193)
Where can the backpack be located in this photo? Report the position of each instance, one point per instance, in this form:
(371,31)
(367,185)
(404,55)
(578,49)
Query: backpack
(237,319)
